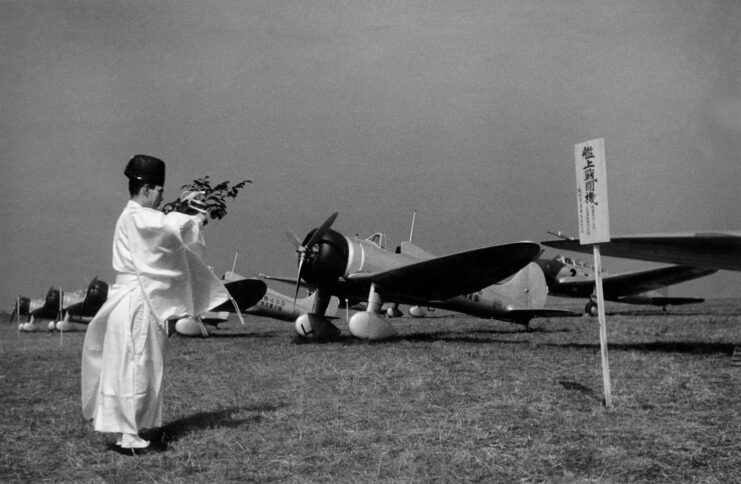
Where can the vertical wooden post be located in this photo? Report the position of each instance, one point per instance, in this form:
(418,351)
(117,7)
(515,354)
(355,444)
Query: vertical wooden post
(602,326)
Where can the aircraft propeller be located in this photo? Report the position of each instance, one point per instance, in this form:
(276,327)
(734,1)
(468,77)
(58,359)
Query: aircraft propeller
(303,249)
(16,309)
(60,309)
(293,239)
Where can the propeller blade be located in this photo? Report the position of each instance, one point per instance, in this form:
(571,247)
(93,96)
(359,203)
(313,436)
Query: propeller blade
(61,305)
(298,279)
(318,233)
(16,309)
(302,249)
(293,238)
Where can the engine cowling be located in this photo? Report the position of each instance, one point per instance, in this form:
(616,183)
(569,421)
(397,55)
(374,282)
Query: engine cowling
(326,260)
(97,293)
(52,299)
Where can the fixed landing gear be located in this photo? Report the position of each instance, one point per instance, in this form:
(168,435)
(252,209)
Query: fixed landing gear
(369,324)
(591,308)
(394,312)
(315,326)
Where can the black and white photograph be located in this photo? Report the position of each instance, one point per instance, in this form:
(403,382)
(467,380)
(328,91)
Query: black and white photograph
(370,241)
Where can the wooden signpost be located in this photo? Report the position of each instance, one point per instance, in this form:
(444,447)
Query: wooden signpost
(594,228)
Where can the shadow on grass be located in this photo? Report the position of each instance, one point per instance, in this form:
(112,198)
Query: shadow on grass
(205,420)
(484,337)
(261,335)
(667,313)
(578,387)
(478,336)
(658,346)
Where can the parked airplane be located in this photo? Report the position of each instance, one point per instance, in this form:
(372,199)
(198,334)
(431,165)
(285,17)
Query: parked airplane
(569,278)
(277,305)
(714,250)
(469,282)
(244,293)
(55,303)
(83,311)
(273,304)
(66,309)
(24,306)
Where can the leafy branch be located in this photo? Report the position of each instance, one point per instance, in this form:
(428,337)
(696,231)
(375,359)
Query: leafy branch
(214,198)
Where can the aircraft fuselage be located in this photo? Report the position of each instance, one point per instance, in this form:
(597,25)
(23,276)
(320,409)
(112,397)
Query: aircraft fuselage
(338,256)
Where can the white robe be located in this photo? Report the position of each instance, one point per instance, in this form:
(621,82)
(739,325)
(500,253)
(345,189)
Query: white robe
(160,276)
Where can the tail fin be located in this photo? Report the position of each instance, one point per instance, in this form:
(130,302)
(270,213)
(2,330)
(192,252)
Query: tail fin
(526,289)
(526,293)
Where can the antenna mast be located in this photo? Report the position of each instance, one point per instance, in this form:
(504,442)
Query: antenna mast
(411,232)
(234,265)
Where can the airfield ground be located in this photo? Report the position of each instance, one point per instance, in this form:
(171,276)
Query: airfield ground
(451,399)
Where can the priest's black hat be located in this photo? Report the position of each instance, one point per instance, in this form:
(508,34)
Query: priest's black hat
(146,168)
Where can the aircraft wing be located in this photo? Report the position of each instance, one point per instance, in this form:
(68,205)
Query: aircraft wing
(245,292)
(452,275)
(619,285)
(703,249)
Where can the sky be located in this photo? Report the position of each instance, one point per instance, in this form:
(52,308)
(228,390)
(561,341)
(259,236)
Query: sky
(465,111)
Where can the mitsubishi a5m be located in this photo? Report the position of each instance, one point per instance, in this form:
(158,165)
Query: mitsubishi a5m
(498,281)
(61,308)
(569,278)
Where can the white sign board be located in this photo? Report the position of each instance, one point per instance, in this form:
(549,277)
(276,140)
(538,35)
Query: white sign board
(591,192)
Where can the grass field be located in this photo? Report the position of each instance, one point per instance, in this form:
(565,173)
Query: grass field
(451,399)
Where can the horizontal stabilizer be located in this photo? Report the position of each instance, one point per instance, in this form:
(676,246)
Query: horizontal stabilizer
(245,292)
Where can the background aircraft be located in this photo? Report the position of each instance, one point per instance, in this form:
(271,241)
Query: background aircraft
(24,306)
(272,304)
(55,303)
(568,278)
(83,311)
(714,250)
(70,311)
(280,306)
(355,269)
(244,293)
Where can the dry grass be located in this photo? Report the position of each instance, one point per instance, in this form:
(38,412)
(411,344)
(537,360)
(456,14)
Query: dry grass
(450,399)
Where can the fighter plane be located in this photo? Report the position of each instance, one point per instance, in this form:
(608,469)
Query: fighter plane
(24,306)
(71,311)
(243,293)
(272,304)
(53,308)
(569,278)
(494,282)
(83,311)
(713,250)
(277,305)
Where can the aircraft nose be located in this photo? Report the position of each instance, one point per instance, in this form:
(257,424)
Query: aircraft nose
(327,262)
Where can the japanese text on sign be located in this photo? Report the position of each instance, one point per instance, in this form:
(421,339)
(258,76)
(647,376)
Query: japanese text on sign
(591,192)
